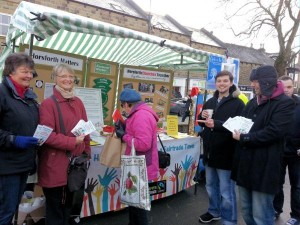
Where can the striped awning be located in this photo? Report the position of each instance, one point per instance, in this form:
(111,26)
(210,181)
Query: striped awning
(63,31)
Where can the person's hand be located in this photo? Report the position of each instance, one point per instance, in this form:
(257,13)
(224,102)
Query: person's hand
(120,129)
(25,142)
(79,139)
(236,135)
(208,122)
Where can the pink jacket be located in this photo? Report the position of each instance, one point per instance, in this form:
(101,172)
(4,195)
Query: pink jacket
(141,125)
(53,161)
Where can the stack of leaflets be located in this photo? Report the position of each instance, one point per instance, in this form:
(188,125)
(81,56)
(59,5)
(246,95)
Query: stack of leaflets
(42,133)
(83,128)
(238,123)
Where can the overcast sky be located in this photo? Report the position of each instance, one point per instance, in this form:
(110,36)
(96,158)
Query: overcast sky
(204,14)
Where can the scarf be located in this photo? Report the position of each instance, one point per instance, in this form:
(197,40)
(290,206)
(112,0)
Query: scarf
(278,90)
(64,93)
(20,89)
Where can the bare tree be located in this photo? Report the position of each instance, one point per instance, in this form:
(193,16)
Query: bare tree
(276,17)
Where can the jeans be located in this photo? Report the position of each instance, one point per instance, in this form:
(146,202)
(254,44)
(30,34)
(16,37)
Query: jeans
(221,193)
(11,190)
(256,207)
(137,216)
(293,164)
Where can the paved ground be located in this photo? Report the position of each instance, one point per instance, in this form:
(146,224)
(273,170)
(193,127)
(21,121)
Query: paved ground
(180,209)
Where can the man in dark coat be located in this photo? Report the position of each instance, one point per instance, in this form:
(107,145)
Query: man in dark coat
(291,159)
(258,153)
(218,150)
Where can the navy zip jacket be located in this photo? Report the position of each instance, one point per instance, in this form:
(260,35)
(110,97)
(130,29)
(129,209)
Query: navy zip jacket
(17,117)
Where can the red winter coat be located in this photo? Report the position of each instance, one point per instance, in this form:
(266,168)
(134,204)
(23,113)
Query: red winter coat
(53,161)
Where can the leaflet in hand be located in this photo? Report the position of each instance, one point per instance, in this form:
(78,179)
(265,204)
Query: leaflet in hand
(239,123)
(83,128)
(42,133)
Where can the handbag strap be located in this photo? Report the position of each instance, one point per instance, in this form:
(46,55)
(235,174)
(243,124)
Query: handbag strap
(132,147)
(163,147)
(61,123)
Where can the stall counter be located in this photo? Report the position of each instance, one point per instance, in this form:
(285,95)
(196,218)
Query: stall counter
(102,184)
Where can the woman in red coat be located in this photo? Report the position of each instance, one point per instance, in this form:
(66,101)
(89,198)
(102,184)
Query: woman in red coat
(53,160)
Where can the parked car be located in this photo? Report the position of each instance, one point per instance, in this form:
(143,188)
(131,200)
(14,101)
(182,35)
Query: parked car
(177,106)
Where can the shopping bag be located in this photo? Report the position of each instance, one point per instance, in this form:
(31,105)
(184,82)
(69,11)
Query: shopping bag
(134,190)
(112,150)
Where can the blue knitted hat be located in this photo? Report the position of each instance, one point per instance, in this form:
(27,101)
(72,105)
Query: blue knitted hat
(130,95)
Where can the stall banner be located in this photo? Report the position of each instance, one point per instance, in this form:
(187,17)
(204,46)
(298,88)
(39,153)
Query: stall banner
(155,87)
(198,108)
(214,67)
(103,183)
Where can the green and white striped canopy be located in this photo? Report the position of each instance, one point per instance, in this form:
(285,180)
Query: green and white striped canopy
(75,34)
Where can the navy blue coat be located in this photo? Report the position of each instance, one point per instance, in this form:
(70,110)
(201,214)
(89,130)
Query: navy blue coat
(17,117)
(218,142)
(258,153)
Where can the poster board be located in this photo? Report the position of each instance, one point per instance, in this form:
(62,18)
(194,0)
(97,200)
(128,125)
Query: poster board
(155,87)
(45,59)
(103,75)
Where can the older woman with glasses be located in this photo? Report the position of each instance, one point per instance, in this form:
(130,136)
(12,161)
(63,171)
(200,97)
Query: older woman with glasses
(19,119)
(53,158)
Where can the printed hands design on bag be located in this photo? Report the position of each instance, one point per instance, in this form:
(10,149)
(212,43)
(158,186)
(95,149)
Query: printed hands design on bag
(120,129)
(25,142)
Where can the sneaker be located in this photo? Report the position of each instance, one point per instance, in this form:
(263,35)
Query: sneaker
(207,218)
(293,221)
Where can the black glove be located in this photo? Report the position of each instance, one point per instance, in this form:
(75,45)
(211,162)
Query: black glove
(120,129)
(25,142)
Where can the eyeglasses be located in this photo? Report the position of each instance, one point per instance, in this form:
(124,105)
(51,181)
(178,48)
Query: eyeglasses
(66,77)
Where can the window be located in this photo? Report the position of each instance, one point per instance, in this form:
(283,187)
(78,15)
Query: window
(117,7)
(4,23)
(160,25)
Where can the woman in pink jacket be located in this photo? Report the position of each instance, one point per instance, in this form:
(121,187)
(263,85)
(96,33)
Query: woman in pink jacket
(141,125)
(53,160)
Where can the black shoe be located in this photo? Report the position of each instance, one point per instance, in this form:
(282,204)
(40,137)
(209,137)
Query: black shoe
(277,214)
(207,218)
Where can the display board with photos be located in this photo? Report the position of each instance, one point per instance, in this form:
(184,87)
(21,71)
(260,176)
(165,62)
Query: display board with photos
(155,87)
(45,59)
(103,75)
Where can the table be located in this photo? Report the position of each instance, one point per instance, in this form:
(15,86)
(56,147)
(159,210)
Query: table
(102,184)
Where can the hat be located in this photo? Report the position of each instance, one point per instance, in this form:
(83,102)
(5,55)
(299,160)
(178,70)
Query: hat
(266,77)
(130,95)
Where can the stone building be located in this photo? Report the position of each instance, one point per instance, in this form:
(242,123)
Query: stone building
(126,13)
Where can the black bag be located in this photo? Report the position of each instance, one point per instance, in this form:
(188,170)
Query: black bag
(164,158)
(77,172)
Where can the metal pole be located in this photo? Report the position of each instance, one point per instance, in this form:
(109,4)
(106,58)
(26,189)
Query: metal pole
(31,44)
(14,45)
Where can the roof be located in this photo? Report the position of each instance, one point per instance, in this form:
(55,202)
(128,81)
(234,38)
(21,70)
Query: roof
(244,54)
(119,6)
(249,55)
(201,37)
(76,34)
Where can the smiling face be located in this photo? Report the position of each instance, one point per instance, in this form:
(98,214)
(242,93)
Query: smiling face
(65,79)
(22,75)
(223,84)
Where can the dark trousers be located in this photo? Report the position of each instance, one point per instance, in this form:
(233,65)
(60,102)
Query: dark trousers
(293,165)
(11,190)
(137,216)
(62,205)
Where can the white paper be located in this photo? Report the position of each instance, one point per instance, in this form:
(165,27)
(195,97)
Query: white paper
(239,123)
(42,133)
(83,128)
